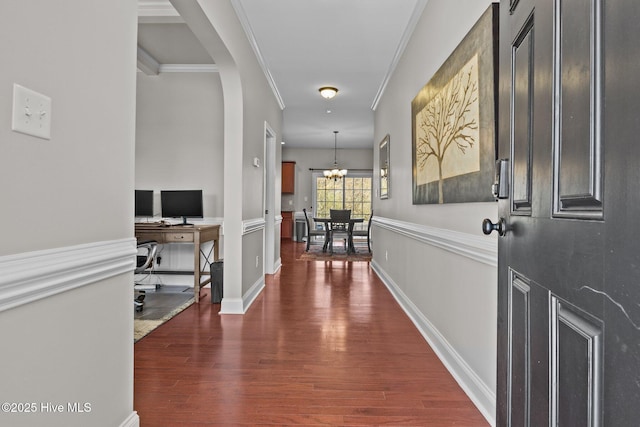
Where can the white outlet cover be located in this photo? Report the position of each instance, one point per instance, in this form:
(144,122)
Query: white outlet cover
(31,112)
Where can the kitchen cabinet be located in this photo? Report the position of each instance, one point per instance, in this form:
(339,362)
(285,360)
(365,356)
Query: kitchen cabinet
(288,177)
(286,228)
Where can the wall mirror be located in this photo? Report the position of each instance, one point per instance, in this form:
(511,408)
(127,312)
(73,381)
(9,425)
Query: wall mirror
(384,168)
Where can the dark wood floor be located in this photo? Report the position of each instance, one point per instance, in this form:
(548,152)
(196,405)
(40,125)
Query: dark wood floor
(324,344)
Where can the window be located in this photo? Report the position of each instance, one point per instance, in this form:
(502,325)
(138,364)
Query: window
(351,192)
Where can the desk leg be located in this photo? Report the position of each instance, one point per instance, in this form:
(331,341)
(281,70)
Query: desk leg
(196,267)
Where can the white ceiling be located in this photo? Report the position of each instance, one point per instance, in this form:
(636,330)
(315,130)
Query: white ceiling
(303,45)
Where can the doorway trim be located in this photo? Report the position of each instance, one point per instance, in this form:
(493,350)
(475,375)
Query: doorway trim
(269,199)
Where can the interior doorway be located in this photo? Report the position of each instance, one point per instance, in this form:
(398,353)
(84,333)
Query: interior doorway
(269,202)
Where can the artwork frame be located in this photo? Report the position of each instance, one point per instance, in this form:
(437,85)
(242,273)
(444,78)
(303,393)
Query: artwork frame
(384,164)
(454,121)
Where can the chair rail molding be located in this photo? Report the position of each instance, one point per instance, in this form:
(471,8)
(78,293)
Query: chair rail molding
(477,248)
(252,225)
(30,276)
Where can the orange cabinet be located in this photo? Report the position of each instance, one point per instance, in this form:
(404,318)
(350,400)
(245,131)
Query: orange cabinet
(288,177)
(286,228)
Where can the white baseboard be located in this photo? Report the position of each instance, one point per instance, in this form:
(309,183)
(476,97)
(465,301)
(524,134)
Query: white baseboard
(241,305)
(133,420)
(480,394)
(277,265)
(231,306)
(253,293)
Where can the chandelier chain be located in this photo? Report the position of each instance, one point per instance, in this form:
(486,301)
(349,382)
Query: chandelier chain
(335,173)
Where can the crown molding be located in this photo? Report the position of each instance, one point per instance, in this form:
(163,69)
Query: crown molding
(151,67)
(408,32)
(244,21)
(157,12)
(188,68)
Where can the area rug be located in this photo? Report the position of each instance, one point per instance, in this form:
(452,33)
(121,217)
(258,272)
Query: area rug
(142,327)
(315,254)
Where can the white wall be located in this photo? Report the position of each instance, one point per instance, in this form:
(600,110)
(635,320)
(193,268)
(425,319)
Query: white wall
(179,136)
(317,158)
(66,253)
(434,257)
(179,146)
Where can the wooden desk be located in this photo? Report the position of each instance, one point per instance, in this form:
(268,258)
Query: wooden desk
(196,234)
(327,221)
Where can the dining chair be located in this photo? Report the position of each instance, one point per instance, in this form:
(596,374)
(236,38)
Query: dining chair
(364,233)
(313,232)
(340,225)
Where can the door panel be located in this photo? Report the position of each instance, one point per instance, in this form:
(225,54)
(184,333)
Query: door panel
(576,366)
(519,322)
(577,82)
(522,63)
(552,302)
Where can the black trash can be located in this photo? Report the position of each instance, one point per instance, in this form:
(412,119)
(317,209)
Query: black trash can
(301,228)
(216,282)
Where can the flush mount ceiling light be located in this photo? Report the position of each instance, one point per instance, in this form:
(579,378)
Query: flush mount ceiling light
(328,92)
(335,173)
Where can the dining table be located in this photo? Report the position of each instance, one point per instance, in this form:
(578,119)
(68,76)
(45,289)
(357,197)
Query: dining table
(326,221)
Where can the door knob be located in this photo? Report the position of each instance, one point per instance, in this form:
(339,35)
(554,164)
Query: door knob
(500,226)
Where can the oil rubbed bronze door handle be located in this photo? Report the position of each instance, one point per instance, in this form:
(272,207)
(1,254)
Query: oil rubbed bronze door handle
(488,227)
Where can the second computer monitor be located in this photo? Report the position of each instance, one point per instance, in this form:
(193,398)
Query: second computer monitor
(181,204)
(144,202)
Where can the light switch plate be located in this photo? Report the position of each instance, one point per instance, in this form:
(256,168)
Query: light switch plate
(31,112)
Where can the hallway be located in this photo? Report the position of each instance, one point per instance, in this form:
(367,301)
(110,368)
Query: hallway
(324,344)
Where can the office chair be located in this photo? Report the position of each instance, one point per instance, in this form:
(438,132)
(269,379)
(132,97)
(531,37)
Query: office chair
(144,260)
(312,232)
(340,224)
(365,233)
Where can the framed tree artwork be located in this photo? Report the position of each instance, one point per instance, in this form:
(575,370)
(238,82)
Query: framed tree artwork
(454,122)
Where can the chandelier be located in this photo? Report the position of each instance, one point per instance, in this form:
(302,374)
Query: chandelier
(335,173)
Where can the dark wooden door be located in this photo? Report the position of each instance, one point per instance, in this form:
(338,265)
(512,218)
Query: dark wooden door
(569,262)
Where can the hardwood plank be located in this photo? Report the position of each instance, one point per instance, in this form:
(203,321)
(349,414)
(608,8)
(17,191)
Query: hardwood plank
(324,344)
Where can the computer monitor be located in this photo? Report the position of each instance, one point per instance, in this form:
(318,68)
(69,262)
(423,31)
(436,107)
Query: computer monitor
(144,202)
(181,203)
